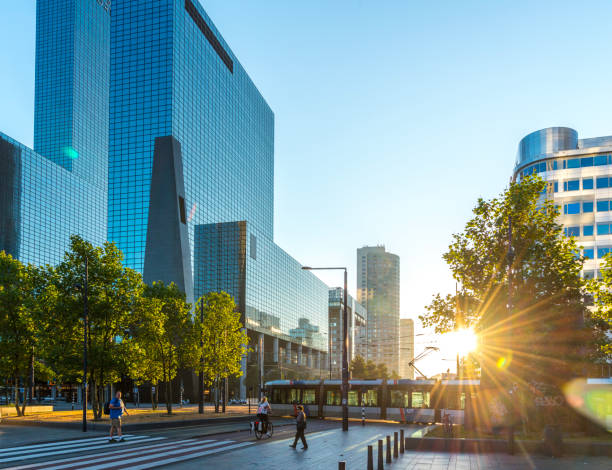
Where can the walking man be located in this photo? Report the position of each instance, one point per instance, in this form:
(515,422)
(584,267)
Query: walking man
(117,407)
(300,423)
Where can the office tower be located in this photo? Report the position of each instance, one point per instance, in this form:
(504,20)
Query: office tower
(406,348)
(579,176)
(357,318)
(59,188)
(378,277)
(191,178)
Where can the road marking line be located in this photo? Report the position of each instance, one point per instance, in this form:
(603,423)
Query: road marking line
(73,460)
(57,443)
(74,450)
(190,456)
(152,456)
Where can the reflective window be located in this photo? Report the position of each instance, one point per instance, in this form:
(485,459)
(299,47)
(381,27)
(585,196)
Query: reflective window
(587,183)
(603,251)
(603,182)
(573,185)
(601,160)
(571,208)
(587,231)
(352,398)
(308,396)
(603,206)
(603,229)
(556,186)
(587,207)
(589,253)
(333,398)
(572,231)
(420,399)
(572,163)
(587,161)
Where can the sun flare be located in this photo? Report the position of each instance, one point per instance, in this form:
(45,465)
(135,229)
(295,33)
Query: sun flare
(460,342)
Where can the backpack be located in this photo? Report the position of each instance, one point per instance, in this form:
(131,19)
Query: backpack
(107,408)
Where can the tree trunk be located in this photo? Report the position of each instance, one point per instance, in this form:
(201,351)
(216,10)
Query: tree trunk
(169,396)
(154,389)
(16,390)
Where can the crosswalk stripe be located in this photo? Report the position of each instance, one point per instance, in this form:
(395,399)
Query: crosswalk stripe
(155,455)
(72,450)
(190,456)
(8,450)
(72,460)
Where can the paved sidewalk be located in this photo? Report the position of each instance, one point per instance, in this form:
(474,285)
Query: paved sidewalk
(328,447)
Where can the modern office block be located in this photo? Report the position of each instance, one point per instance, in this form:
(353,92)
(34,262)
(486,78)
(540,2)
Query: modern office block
(60,188)
(579,176)
(173,75)
(406,351)
(378,277)
(357,318)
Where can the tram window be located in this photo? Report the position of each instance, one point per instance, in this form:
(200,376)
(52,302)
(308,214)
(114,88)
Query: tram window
(420,399)
(308,396)
(352,399)
(399,399)
(293,395)
(369,398)
(462,401)
(277,396)
(333,398)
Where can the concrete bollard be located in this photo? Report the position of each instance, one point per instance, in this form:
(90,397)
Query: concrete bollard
(342,465)
(381,465)
(395,454)
(370,458)
(388,449)
(401,441)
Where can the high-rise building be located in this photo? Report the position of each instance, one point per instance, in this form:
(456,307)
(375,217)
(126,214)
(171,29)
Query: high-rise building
(378,283)
(191,177)
(60,188)
(150,110)
(406,371)
(579,176)
(357,318)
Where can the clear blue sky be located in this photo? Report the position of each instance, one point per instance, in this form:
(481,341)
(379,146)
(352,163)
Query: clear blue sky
(392,117)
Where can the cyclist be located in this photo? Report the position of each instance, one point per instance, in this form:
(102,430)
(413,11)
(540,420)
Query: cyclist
(263,410)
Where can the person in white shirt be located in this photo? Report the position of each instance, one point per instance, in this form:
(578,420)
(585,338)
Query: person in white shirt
(263,410)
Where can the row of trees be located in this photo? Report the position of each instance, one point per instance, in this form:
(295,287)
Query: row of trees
(144,332)
(369,370)
(521,290)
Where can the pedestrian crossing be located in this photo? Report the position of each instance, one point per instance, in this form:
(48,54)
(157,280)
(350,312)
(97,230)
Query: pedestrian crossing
(136,452)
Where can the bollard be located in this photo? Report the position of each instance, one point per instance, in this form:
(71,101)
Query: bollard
(401,441)
(406,443)
(342,465)
(395,445)
(381,466)
(370,458)
(363,416)
(388,449)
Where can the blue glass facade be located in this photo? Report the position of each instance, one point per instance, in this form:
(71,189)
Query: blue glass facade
(60,188)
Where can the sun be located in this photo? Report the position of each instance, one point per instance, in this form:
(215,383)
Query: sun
(460,342)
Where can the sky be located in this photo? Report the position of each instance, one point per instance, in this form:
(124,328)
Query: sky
(391,117)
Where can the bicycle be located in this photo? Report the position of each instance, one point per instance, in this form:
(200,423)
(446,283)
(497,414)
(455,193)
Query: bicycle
(257,427)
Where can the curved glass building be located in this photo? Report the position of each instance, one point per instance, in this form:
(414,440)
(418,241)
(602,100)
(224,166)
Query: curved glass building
(579,176)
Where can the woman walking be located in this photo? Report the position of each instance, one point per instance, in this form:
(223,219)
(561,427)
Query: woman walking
(300,423)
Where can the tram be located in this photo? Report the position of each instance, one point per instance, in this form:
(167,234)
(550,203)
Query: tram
(410,401)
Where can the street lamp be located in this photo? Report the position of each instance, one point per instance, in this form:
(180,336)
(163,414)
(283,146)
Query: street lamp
(84,290)
(345,371)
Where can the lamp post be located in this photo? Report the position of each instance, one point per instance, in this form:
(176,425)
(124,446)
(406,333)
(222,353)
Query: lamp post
(345,371)
(84,290)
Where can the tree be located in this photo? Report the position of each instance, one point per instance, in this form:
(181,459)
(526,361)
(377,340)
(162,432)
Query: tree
(540,337)
(164,334)
(18,329)
(362,370)
(601,316)
(113,293)
(224,340)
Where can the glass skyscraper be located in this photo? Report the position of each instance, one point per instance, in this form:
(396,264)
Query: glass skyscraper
(378,284)
(579,177)
(141,107)
(60,188)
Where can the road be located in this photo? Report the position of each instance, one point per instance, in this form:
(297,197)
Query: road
(231,446)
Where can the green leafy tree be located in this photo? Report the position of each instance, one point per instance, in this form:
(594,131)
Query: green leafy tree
(601,316)
(113,292)
(362,370)
(542,336)
(165,333)
(224,340)
(18,329)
